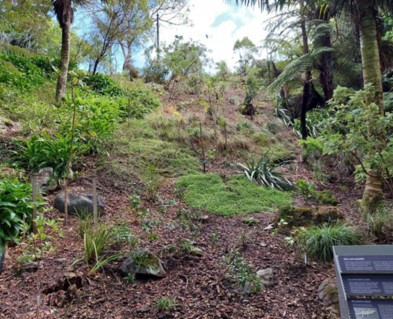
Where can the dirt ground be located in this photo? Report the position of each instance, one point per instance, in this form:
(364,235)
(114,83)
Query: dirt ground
(199,284)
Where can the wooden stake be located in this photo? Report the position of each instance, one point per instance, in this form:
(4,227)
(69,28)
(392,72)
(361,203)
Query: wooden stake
(65,202)
(226,136)
(203,148)
(95,215)
(34,185)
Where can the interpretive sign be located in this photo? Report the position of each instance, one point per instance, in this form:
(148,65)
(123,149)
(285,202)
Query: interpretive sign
(365,281)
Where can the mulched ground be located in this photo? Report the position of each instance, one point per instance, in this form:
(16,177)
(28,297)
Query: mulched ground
(199,285)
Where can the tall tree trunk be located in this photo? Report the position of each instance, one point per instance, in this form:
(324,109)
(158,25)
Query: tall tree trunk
(307,80)
(64,61)
(326,69)
(373,194)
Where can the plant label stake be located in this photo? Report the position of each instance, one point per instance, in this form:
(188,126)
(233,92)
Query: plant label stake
(95,217)
(34,185)
(203,148)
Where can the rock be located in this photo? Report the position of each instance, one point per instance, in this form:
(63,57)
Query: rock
(45,180)
(78,204)
(235,100)
(292,216)
(328,293)
(143,262)
(266,275)
(29,267)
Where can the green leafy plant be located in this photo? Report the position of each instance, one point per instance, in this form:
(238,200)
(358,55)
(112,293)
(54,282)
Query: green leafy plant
(102,84)
(317,242)
(245,278)
(263,173)
(15,209)
(47,151)
(166,303)
(40,243)
(305,188)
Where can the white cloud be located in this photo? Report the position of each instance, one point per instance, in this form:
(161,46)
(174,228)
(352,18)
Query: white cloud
(219,36)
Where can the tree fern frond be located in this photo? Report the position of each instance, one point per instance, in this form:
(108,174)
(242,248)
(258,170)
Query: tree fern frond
(298,66)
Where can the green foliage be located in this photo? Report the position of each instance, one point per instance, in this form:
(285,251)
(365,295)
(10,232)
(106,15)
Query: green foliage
(245,278)
(263,173)
(358,128)
(96,120)
(317,242)
(379,222)
(40,243)
(138,101)
(155,70)
(15,209)
(236,197)
(305,188)
(166,303)
(315,122)
(252,87)
(23,73)
(47,151)
(102,84)
(184,58)
(122,234)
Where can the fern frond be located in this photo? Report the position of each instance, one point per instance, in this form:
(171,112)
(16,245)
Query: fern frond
(298,66)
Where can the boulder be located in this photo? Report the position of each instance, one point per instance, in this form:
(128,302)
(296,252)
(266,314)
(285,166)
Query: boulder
(291,216)
(143,262)
(78,203)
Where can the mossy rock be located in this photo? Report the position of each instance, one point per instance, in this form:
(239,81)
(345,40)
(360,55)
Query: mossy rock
(324,197)
(292,216)
(143,262)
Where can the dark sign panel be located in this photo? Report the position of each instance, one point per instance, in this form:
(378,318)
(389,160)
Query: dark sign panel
(370,309)
(368,285)
(366,264)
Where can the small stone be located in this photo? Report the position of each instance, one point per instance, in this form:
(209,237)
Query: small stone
(30,267)
(263,244)
(266,275)
(45,179)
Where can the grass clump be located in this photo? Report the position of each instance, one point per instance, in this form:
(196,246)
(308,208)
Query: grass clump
(237,196)
(166,303)
(317,242)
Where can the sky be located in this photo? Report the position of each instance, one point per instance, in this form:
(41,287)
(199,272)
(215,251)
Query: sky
(217,25)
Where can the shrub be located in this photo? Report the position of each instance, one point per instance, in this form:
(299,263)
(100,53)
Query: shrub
(317,242)
(263,174)
(96,120)
(245,278)
(15,209)
(138,101)
(102,84)
(47,151)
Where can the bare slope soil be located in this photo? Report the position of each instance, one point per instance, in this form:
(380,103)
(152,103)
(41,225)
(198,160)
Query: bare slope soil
(200,285)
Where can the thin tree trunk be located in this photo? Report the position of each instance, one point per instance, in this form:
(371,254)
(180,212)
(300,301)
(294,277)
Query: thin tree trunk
(373,194)
(64,62)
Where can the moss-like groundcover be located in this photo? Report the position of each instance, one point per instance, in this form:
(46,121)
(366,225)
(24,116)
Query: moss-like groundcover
(235,197)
